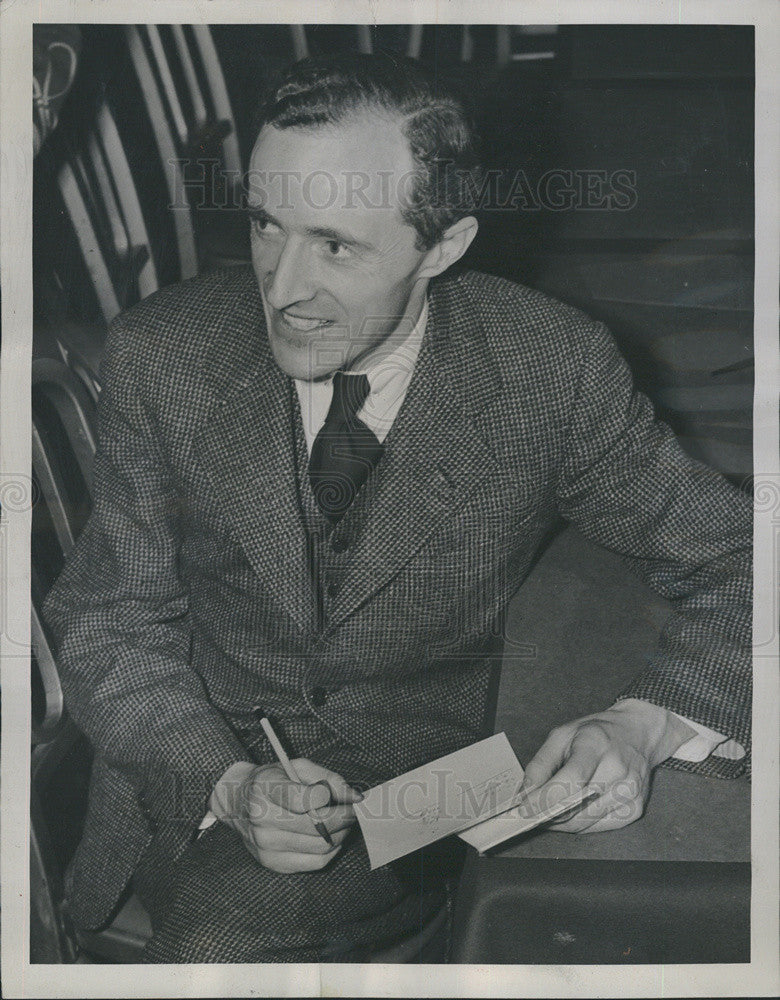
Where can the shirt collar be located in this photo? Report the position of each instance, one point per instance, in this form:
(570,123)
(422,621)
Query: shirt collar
(387,370)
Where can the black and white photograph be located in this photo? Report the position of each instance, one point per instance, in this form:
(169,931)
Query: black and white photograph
(390,499)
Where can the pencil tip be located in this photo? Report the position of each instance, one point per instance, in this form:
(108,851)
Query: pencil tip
(322,830)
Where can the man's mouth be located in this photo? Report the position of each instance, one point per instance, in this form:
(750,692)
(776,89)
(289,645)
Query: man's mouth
(303,324)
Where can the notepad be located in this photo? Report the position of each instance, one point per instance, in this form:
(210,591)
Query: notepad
(474,792)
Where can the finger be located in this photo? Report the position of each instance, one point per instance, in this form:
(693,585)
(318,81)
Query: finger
(548,758)
(611,811)
(266,805)
(303,826)
(579,769)
(265,812)
(613,821)
(603,813)
(271,838)
(288,862)
(624,791)
(297,797)
(337,817)
(341,790)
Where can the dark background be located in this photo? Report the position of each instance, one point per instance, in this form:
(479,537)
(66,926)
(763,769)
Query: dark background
(672,275)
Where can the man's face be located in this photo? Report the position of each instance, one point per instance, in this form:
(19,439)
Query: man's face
(335,261)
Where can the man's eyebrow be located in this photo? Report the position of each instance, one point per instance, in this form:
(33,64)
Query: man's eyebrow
(320,232)
(325,233)
(258,212)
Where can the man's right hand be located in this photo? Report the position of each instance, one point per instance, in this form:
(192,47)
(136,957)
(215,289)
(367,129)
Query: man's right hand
(270,812)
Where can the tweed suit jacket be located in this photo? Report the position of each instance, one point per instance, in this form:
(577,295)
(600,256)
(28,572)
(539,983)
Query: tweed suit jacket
(188,598)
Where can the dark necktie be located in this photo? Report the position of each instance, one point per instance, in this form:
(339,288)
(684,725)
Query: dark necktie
(345,450)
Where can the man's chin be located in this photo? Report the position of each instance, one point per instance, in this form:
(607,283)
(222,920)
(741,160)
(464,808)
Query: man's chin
(298,362)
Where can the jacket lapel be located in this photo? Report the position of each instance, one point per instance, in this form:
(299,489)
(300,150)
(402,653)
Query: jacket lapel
(434,455)
(247,452)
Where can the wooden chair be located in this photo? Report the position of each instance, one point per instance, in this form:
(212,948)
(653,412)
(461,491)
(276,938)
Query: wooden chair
(508,42)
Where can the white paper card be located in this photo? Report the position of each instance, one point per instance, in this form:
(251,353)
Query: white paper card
(438,799)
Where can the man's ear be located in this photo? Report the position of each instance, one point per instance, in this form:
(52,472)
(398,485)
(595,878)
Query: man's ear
(450,248)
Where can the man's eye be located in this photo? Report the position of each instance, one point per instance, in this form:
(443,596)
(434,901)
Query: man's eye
(262,224)
(336,249)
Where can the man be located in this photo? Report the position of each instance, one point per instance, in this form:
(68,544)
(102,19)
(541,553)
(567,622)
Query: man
(317,486)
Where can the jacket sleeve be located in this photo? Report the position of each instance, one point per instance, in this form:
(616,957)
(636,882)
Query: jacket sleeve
(625,482)
(119,613)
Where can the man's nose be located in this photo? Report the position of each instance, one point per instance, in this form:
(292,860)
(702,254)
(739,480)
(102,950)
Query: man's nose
(290,280)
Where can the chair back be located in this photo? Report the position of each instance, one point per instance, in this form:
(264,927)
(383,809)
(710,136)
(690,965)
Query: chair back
(88,208)
(63,423)
(189,111)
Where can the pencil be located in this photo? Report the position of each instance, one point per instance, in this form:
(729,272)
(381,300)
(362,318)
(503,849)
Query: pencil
(293,775)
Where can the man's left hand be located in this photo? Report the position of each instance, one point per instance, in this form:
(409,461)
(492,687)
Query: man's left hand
(615,750)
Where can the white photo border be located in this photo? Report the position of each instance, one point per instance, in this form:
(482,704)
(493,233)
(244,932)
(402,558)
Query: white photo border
(19,977)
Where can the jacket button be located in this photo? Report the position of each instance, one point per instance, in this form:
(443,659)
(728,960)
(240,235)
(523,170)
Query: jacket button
(318,696)
(340,544)
(151,822)
(332,589)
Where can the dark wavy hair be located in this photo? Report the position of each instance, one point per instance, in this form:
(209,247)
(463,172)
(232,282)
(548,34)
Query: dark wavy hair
(432,115)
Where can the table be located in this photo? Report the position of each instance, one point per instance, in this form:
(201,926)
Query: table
(672,887)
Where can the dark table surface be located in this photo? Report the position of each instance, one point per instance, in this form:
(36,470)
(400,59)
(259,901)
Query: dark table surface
(674,886)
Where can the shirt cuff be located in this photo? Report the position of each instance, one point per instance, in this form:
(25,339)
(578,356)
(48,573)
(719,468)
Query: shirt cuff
(706,742)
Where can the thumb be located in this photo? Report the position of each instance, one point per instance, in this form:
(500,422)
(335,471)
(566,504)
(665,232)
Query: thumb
(298,797)
(341,790)
(548,758)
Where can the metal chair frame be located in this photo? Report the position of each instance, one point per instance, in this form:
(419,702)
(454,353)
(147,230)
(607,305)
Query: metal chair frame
(54,735)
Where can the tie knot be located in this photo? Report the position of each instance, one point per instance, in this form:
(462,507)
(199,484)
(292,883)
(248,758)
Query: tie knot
(349,393)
